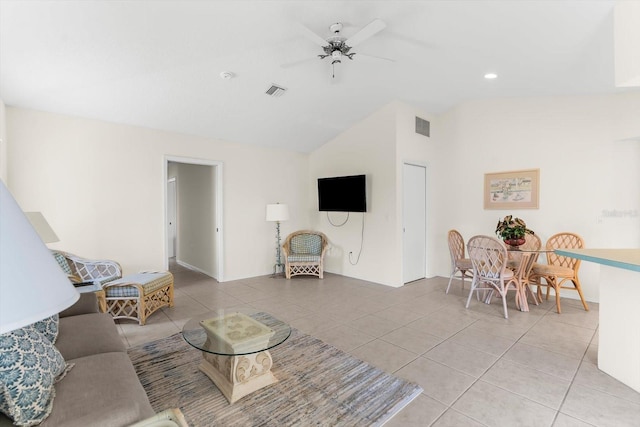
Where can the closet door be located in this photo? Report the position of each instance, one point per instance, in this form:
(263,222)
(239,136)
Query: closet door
(414,219)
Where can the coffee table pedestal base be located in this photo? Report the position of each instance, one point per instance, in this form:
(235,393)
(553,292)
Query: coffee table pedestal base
(238,376)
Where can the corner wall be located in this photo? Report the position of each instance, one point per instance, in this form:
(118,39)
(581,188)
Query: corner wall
(367,148)
(376,146)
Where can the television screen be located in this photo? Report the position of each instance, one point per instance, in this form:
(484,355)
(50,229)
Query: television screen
(342,194)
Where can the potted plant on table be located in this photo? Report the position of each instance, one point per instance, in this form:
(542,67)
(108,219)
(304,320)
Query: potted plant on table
(512,230)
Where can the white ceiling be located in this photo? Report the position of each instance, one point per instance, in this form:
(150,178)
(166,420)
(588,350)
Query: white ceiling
(157,64)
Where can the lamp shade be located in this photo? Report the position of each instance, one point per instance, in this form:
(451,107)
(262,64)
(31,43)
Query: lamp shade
(277,212)
(42,227)
(32,284)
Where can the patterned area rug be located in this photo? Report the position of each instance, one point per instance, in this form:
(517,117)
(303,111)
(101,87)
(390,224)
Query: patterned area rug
(319,385)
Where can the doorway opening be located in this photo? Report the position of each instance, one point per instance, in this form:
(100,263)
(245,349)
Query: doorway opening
(193,214)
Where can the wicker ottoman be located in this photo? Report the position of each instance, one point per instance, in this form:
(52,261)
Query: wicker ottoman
(137,296)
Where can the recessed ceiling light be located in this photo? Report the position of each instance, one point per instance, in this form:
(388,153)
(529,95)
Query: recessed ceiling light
(226,75)
(490,76)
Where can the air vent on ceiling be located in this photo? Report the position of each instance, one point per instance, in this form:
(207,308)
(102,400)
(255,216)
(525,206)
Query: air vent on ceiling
(422,126)
(275,91)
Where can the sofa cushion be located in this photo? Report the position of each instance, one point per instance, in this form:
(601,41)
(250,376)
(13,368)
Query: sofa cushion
(102,390)
(87,303)
(88,334)
(29,367)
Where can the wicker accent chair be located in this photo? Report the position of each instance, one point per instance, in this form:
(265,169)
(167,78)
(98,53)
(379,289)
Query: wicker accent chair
(304,253)
(80,270)
(559,270)
(490,273)
(459,264)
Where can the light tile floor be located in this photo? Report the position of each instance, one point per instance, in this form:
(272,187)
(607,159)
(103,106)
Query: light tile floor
(476,368)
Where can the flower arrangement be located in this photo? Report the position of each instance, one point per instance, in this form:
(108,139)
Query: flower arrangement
(511,228)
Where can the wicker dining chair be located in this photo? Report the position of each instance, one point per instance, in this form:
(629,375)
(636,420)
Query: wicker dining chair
(490,273)
(560,270)
(459,264)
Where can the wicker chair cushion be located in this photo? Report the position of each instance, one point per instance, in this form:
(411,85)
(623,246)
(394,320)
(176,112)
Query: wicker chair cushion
(303,258)
(464,264)
(62,262)
(552,270)
(306,244)
(508,274)
(149,281)
(30,366)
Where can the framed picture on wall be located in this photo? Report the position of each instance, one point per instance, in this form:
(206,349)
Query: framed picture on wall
(512,190)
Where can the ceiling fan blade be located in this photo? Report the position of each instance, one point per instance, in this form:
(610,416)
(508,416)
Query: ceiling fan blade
(364,55)
(312,36)
(369,30)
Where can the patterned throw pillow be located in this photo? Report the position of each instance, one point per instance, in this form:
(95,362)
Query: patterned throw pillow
(62,262)
(48,327)
(29,366)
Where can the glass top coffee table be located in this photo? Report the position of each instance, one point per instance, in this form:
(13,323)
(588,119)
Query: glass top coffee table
(235,347)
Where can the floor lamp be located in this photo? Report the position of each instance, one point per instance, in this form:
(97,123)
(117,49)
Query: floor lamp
(277,212)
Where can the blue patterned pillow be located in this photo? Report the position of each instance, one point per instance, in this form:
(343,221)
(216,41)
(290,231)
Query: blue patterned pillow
(48,327)
(62,262)
(29,366)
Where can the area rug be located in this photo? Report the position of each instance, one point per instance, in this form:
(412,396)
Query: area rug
(319,385)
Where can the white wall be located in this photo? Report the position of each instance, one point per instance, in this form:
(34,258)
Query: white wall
(3,143)
(100,186)
(586,169)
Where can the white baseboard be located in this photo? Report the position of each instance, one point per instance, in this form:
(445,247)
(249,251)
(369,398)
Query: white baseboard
(194,268)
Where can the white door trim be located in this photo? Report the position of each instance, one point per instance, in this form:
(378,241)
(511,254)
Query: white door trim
(172,247)
(218,213)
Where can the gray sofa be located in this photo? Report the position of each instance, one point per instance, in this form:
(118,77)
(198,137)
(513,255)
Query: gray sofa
(102,389)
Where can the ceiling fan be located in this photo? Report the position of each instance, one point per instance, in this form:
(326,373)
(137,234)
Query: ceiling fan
(336,46)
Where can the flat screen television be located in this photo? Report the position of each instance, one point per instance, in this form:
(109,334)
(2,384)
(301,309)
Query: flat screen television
(342,194)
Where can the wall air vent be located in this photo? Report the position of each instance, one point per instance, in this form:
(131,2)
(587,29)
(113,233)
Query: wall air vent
(423,126)
(275,91)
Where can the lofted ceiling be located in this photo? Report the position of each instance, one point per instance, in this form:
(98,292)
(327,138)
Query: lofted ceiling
(158,64)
